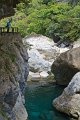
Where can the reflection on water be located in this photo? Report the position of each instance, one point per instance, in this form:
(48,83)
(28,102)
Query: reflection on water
(39,103)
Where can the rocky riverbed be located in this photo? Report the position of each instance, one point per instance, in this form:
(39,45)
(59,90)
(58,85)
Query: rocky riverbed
(66,69)
(42,52)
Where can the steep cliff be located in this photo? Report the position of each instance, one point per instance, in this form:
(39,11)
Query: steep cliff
(6,7)
(13,76)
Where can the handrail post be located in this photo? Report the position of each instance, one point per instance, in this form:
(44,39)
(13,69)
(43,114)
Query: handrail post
(17,29)
(12,30)
(1,30)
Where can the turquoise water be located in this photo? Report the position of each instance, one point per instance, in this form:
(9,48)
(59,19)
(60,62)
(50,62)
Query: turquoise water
(39,103)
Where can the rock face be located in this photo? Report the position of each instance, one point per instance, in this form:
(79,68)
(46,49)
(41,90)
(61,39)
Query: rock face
(13,76)
(69,101)
(66,66)
(42,51)
(76,44)
(6,7)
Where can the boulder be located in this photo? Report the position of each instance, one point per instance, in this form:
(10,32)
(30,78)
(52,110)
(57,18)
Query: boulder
(69,101)
(44,74)
(76,44)
(36,77)
(42,52)
(66,66)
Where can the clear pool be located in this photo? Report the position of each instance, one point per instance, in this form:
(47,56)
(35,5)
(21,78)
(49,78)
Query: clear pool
(39,103)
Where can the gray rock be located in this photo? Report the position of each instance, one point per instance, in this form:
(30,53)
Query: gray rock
(19,110)
(42,51)
(7,8)
(66,66)
(76,44)
(69,101)
(13,74)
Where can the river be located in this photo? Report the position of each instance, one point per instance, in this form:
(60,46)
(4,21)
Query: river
(38,102)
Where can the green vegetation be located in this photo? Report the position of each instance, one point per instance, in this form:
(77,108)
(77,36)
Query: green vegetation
(48,17)
(3,113)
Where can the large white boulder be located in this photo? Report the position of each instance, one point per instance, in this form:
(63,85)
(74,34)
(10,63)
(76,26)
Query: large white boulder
(44,74)
(42,52)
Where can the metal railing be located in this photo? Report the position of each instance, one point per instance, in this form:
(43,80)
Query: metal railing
(8,30)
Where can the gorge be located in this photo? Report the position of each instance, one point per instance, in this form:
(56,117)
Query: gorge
(27,64)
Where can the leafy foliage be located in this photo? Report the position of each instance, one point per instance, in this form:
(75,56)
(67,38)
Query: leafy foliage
(48,17)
